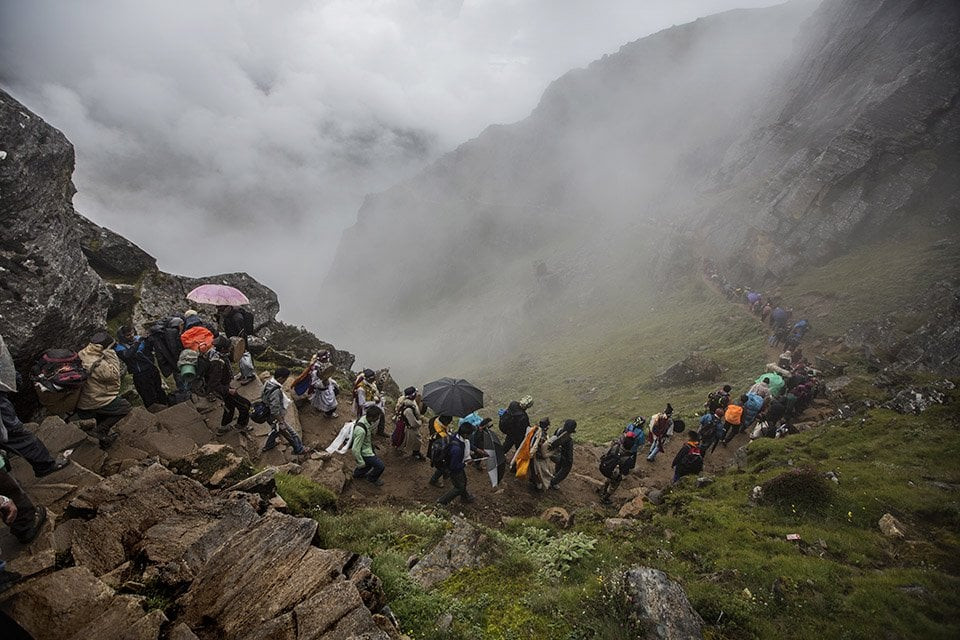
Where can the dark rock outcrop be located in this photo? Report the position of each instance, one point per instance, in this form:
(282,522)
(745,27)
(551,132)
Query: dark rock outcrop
(49,295)
(462,547)
(863,131)
(62,276)
(693,368)
(110,254)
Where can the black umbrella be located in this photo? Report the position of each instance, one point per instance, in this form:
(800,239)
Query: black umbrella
(449,397)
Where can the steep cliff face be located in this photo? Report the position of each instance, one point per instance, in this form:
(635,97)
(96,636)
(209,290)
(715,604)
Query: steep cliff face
(769,139)
(607,146)
(49,295)
(864,131)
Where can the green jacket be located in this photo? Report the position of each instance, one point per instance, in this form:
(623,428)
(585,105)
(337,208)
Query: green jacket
(362,443)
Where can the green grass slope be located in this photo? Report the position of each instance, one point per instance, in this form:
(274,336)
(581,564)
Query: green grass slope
(843,579)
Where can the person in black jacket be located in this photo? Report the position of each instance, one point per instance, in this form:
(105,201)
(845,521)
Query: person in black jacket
(689,460)
(458,450)
(514,424)
(561,444)
(218,378)
(137,354)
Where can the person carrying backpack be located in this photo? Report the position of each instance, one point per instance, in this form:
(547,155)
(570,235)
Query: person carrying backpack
(660,426)
(617,462)
(136,353)
(277,401)
(514,424)
(718,399)
(100,396)
(192,319)
(456,454)
(218,377)
(711,430)
(408,410)
(733,419)
(369,466)
(561,444)
(689,460)
(439,432)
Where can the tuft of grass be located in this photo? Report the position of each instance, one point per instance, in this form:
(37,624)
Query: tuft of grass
(304,496)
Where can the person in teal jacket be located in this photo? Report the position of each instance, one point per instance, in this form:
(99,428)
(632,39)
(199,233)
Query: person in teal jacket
(369,466)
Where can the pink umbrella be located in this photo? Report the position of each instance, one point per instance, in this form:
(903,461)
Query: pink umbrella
(218,294)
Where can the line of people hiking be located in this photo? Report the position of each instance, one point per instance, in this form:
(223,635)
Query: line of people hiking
(785,332)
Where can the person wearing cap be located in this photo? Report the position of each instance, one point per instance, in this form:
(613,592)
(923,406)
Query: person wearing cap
(561,446)
(137,354)
(761,388)
(408,410)
(219,375)
(325,389)
(277,401)
(458,453)
(100,395)
(660,426)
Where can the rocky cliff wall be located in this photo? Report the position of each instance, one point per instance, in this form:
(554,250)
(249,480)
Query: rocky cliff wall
(862,133)
(770,140)
(49,295)
(62,277)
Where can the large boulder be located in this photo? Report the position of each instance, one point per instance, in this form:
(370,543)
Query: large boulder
(693,368)
(110,254)
(271,582)
(660,605)
(49,295)
(214,465)
(463,547)
(73,604)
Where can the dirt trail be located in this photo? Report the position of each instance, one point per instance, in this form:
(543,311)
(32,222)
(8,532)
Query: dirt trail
(406,479)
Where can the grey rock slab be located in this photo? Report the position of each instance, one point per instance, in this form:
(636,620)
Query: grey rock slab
(661,605)
(265,572)
(463,547)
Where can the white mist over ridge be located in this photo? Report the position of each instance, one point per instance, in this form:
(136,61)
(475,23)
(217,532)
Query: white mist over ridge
(228,136)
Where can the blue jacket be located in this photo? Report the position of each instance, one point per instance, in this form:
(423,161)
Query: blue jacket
(751,408)
(455,451)
(138,356)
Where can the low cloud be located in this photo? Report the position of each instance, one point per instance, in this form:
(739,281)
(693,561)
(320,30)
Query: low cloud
(242,135)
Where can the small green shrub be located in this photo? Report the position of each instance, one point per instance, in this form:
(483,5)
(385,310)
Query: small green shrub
(803,489)
(304,496)
(552,555)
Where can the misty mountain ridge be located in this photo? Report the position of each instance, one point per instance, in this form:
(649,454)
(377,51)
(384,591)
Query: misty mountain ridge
(766,139)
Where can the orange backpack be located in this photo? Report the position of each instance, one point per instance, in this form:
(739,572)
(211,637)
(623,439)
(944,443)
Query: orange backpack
(197,338)
(733,414)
